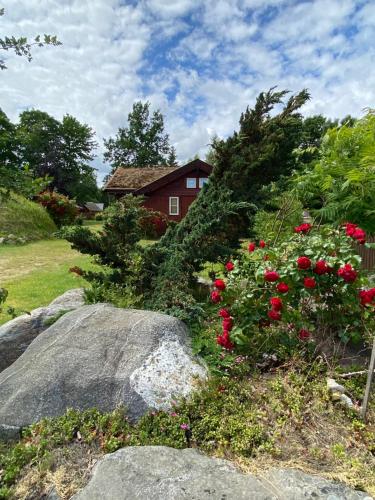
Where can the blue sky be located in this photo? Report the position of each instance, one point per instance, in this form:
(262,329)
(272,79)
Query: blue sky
(200,62)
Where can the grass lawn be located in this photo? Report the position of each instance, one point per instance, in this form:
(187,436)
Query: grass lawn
(36,273)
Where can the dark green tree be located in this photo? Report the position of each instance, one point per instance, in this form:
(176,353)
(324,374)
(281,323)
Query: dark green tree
(78,176)
(211,153)
(22,47)
(14,175)
(61,150)
(9,146)
(259,153)
(172,158)
(142,144)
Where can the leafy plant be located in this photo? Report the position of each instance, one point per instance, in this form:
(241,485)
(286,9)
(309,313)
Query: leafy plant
(340,186)
(283,212)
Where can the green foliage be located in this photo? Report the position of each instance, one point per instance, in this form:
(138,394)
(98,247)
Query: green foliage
(259,153)
(24,219)
(172,158)
(143,143)
(116,247)
(211,154)
(22,47)
(165,274)
(341,185)
(62,210)
(283,213)
(61,150)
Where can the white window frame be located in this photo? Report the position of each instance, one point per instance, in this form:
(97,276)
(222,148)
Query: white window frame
(191,179)
(202,181)
(177,211)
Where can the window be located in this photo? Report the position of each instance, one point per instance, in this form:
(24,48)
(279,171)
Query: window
(191,183)
(202,181)
(174,205)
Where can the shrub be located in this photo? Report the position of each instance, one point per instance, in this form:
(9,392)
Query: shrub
(62,210)
(116,247)
(278,223)
(153,224)
(306,288)
(341,185)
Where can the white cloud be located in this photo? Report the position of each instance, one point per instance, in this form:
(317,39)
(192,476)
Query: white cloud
(201,63)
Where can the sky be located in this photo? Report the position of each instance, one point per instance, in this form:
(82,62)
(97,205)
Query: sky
(200,62)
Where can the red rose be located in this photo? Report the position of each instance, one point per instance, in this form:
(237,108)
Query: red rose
(347,273)
(274,315)
(359,235)
(309,282)
(227,324)
(262,244)
(229,266)
(282,287)
(365,297)
(251,247)
(276,303)
(224,313)
(271,276)
(303,334)
(219,284)
(321,267)
(350,228)
(216,297)
(303,262)
(303,228)
(224,341)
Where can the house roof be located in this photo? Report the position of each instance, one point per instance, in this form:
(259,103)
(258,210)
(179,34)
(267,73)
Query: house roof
(136,178)
(94,207)
(146,180)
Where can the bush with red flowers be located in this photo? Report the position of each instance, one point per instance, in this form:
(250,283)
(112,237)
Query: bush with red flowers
(310,289)
(62,209)
(153,223)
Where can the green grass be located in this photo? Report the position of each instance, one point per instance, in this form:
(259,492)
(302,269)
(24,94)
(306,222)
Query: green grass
(36,273)
(24,218)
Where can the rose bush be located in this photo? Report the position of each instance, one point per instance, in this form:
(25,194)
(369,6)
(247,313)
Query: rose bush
(62,209)
(153,223)
(308,288)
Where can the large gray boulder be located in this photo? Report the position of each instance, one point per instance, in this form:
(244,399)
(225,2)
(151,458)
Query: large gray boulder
(99,356)
(161,473)
(16,335)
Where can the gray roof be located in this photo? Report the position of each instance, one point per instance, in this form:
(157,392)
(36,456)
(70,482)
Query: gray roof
(94,207)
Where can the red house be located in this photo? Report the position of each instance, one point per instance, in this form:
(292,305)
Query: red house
(170,190)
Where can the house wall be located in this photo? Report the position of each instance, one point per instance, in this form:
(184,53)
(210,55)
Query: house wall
(159,199)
